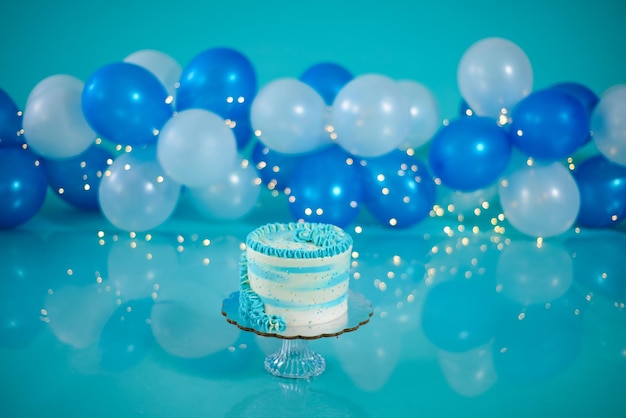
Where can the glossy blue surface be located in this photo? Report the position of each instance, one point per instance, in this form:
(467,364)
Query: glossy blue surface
(96,322)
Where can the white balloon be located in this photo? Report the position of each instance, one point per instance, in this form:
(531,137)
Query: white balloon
(196,147)
(370,116)
(608,124)
(135,194)
(56,80)
(540,200)
(230,198)
(163,66)
(53,122)
(288,116)
(493,74)
(424,112)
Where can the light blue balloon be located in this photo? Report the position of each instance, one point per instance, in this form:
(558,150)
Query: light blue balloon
(230,198)
(288,116)
(196,147)
(608,124)
(424,112)
(370,116)
(56,80)
(494,73)
(53,122)
(135,193)
(540,200)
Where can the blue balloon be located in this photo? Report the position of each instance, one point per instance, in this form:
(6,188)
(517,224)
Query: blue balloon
(459,315)
(10,121)
(126,104)
(326,187)
(327,79)
(602,186)
(126,338)
(223,81)
(274,168)
(582,93)
(399,190)
(470,153)
(23,186)
(76,179)
(549,125)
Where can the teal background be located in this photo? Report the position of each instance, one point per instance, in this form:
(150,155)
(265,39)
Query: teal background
(572,355)
(579,41)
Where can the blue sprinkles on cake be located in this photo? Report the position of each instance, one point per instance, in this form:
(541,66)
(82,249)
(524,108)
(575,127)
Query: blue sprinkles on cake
(295,275)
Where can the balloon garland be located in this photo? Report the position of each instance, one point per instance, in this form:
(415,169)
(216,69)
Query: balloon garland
(332,142)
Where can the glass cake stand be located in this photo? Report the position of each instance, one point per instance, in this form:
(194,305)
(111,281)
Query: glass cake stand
(295,360)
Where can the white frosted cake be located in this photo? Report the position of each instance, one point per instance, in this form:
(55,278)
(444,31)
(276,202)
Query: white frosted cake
(295,275)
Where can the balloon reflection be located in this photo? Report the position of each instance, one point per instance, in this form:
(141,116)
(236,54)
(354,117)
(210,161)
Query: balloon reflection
(126,338)
(538,341)
(136,266)
(501,309)
(599,263)
(459,315)
(486,309)
(471,372)
(370,354)
(21,289)
(78,258)
(186,319)
(601,320)
(77,314)
(530,273)
(391,277)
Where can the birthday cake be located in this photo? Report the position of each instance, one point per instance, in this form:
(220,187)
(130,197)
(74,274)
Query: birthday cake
(295,276)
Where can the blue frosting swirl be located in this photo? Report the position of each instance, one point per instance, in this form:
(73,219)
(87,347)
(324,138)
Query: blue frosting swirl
(326,240)
(251,308)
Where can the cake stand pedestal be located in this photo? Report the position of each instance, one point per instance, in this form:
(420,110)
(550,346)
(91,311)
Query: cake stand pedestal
(295,360)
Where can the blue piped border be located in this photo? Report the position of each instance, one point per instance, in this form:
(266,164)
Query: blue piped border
(251,308)
(328,239)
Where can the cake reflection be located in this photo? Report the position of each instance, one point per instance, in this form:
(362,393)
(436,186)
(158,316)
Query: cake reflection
(295,398)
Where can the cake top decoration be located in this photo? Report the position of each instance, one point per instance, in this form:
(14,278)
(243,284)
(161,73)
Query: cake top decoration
(299,240)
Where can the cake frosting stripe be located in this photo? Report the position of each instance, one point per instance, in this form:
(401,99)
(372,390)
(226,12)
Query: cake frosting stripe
(250,305)
(295,275)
